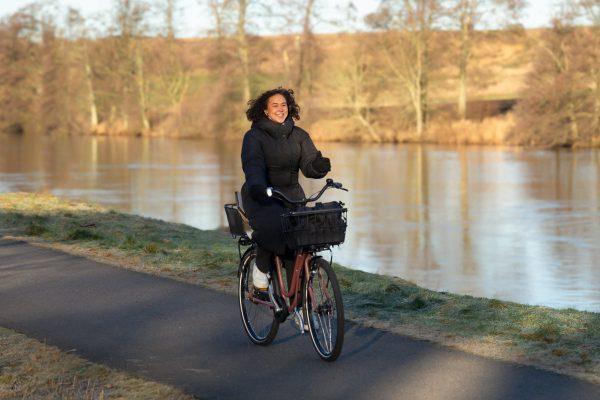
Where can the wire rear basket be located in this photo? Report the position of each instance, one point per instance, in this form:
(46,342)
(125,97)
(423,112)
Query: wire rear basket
(234,219)
(320,226)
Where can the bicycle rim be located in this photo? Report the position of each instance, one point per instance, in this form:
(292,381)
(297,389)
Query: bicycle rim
(258,319)
(324,310)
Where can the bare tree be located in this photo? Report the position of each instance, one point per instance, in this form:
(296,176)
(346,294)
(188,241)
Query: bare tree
(141,86)
(130,25)
(243,52)
(550,110)
(221,12)
(590,10)
(171,71)
(18,71)
(406,48)
(302,64)
(360,90)
(170,9)
(306,49)
(80,43)
(468,15)
(357,80)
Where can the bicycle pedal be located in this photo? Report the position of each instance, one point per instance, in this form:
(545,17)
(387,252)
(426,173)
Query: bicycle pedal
(261,295)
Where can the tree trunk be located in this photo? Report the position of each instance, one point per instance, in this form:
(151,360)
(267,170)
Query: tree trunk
(217,9)
(243,49)
(573,125)
(286,67)
(91,98)
(169,12)
(596,94)
(421,84)
(91,94)
(466,25)
(141,86)
(304,49)
(367,124)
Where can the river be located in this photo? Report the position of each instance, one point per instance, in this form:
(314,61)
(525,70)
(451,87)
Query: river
(513,224)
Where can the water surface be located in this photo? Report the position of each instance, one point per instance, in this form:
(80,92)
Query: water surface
(520,225)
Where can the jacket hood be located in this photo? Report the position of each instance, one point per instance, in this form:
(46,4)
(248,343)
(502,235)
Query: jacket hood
(273,128)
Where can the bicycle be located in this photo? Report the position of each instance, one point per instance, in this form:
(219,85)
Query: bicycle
(313,290)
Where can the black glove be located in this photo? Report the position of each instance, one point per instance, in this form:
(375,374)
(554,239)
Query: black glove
(259,193)
(321,164)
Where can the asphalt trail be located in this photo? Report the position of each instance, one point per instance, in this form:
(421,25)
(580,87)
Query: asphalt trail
(191,337)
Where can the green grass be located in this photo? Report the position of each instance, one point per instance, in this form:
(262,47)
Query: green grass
(33,370)
(563,340)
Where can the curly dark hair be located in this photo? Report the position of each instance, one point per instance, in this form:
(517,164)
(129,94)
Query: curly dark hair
(257,106)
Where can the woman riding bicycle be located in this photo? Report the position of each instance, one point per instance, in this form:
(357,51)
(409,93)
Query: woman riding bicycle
(273,152)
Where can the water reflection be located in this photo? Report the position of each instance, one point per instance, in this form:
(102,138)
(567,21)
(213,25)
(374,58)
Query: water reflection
(505,223)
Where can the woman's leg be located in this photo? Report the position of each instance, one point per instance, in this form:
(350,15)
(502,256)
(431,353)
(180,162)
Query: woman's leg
(264,259)
(267,233)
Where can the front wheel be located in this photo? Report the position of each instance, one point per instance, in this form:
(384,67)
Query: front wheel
(324,310)
(258,319)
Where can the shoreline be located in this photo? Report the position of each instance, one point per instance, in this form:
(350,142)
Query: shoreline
(404,138)
(561,340)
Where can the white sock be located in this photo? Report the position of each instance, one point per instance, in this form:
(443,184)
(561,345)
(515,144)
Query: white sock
(259,279)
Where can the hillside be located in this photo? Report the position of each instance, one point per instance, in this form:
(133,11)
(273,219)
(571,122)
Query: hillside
(350,86)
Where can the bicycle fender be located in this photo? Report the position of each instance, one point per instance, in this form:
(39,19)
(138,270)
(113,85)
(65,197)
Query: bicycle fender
(243,257)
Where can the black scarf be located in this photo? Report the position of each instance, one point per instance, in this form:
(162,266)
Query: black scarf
(275,129)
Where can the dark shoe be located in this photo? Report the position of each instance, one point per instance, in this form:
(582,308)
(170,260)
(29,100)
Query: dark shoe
(262,295)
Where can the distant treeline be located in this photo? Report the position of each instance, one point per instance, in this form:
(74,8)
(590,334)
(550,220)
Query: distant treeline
(424,71)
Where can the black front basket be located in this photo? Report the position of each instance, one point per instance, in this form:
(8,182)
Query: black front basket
(320,226)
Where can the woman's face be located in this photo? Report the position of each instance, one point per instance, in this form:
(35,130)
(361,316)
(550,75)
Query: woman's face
(277,108)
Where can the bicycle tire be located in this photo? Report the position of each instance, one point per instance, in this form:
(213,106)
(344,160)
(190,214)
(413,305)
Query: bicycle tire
(263,331)
(324,312)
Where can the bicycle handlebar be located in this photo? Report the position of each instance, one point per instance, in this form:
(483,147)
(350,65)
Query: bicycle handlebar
(329,184)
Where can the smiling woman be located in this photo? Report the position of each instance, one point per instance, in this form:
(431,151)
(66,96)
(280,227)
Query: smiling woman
(273,152)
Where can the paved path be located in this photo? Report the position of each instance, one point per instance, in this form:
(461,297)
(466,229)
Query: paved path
(191,337)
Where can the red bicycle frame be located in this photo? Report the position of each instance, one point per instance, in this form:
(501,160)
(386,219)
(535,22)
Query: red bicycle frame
(301,262)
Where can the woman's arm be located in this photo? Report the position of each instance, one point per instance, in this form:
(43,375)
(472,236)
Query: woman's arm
(307,157)
(253,162)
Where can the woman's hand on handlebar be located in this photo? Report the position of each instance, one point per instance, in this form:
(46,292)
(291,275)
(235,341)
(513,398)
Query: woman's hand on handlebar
(336,185)
(259,193)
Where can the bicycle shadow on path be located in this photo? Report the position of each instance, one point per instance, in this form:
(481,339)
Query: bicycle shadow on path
(191,337)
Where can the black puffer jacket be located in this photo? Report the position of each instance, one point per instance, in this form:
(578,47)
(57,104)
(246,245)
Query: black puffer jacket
(272,155)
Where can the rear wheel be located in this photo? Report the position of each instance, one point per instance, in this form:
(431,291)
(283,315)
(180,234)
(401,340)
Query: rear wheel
(258,319)
(324,310)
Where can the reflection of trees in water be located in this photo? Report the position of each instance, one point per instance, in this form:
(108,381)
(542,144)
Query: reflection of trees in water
(230,171)
(485,221)
(467,262)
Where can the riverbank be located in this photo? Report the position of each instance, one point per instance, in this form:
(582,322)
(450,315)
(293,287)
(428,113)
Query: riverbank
(567,341)
(30,369)
(496,130)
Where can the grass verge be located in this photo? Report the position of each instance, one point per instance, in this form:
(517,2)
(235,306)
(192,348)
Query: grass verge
(33,370)
(566,341)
